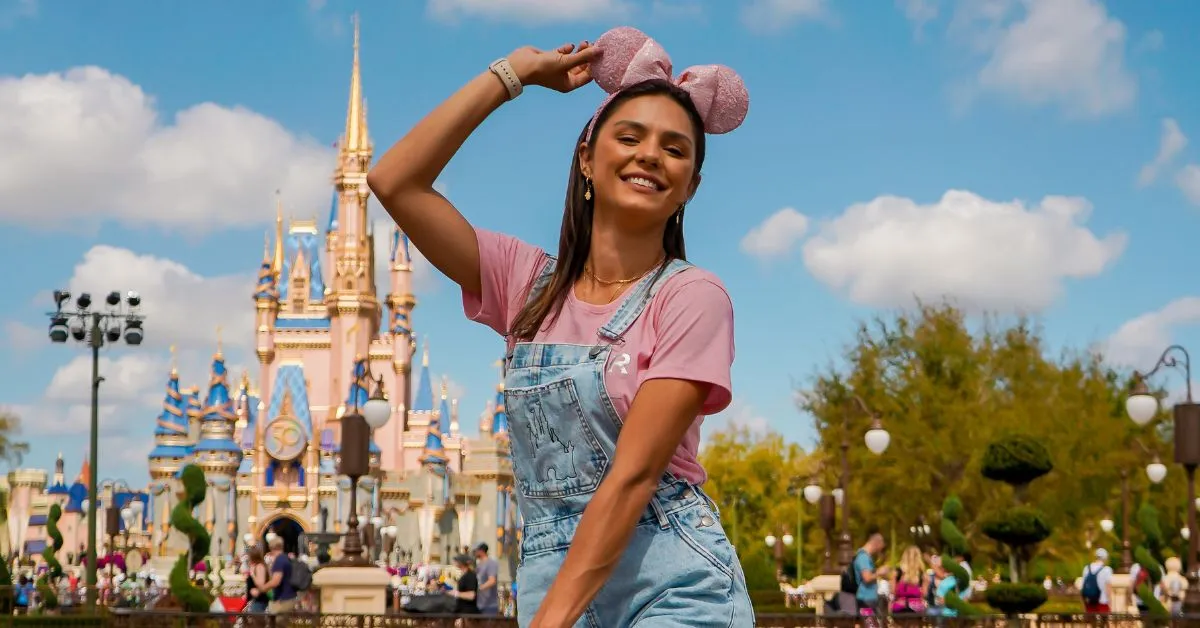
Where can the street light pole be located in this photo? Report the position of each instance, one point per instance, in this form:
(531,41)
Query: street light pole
(1126,555)
(1142,408)
(877,440)
(121,318)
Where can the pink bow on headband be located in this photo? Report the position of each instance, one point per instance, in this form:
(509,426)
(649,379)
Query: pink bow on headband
(629,56)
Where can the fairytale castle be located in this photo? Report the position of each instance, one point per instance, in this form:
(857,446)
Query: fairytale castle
(323,337)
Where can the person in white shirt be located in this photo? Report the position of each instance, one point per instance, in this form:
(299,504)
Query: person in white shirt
(1096,586)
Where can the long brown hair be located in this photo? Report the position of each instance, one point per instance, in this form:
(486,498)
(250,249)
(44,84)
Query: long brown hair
(575,237)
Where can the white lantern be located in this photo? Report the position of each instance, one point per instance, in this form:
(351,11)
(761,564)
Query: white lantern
(1141,407)
(812,493)
(377,411)
(127,515)
(1185,533)
(1106,524)
(1156,471)
(838,494)
(877,440)
(926,528)
(770,540)
(788,540)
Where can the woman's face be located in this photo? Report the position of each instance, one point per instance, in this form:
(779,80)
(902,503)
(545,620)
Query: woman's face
(643,161)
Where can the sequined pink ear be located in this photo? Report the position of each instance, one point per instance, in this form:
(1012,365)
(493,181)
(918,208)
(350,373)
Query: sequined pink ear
(719,94)
(629,56)
(618,47)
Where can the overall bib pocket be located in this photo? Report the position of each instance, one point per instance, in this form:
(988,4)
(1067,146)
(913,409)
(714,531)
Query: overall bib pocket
(552,436)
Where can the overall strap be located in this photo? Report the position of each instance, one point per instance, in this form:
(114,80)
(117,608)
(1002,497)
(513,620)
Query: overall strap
(637,301)
(539,284)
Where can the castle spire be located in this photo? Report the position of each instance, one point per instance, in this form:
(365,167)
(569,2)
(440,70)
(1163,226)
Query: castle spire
(356,113)
(277,262)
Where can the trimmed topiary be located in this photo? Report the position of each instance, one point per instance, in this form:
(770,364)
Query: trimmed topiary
(1017,460)
(191,597)
(46,584)
(955,544)
(1016,598)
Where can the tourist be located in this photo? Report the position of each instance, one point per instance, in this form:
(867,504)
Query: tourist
(866,594)
(466,593)
(908,590)
(283,594)
(257,598)
(1096,588)
(946,584)
(487,570)
(615,339)
(1173,586)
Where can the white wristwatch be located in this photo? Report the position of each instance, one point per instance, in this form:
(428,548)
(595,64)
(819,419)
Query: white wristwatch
(504,71)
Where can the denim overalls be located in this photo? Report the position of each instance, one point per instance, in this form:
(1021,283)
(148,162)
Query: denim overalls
(679,568)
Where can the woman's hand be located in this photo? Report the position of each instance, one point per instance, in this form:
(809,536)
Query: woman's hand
(562,70)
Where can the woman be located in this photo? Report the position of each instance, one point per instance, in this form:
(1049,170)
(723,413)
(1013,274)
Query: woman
(468,587)
(616,345)
(256,593)
(909,585)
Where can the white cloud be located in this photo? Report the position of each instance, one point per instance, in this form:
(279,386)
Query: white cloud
(773,15)
(210,168)
(530,11)
(12,11)
(919,12)
(774,237)
(1139,342)
(1188,181)
(1068,53)
(1171,142)
(1151,41)
(983,254)
(181,307)
(739,414)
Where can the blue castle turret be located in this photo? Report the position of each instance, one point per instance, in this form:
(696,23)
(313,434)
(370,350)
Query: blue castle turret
(500,417)
(171,430)
(266,288)
(217,452)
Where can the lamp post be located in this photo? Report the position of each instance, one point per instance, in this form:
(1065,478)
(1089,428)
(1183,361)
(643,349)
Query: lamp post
(1142,407)
(355,463)
(778,544)
(877,440)
(96,327)
(920,532)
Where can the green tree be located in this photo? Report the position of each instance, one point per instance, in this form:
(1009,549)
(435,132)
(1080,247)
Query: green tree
(12,451)
(754,477)
(945,388)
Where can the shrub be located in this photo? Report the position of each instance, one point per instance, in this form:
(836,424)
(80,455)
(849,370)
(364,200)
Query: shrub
(46,585)
(191,597)
(1015,598)
(1017,460)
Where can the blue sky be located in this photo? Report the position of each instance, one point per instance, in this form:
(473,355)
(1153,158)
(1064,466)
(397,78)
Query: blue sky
(1014,155)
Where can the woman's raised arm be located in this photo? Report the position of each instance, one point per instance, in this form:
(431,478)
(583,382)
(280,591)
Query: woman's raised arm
(403,177)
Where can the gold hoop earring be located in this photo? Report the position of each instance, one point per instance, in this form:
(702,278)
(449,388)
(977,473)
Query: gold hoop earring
(679,214)
(587,188)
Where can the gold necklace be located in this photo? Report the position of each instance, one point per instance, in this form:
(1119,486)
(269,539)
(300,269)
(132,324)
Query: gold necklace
(618,284)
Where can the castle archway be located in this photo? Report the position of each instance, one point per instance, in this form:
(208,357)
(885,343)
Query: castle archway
(287,528)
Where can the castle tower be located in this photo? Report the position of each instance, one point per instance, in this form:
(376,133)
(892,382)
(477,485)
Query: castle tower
(219,456)
(353,306)
(171,444)
(266,298)
(400,306)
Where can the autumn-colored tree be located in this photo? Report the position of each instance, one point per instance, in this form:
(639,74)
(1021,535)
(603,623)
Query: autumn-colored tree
(12,451)
(755,478)
(945,387)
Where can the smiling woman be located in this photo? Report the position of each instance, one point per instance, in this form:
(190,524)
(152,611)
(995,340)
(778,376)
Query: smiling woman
(617,347)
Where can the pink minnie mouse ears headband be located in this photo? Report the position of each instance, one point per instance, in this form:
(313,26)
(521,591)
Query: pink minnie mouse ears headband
(629,56)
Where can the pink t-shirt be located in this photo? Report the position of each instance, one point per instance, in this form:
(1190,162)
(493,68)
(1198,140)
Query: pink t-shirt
(685,332)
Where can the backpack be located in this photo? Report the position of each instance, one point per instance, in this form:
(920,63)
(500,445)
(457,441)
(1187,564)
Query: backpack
(1142,578)
(1091,587)
(850,577)
(301,578)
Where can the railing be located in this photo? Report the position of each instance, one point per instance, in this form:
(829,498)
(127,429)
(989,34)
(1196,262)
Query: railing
(125,618)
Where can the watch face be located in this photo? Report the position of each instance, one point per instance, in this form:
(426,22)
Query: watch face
(285,438)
